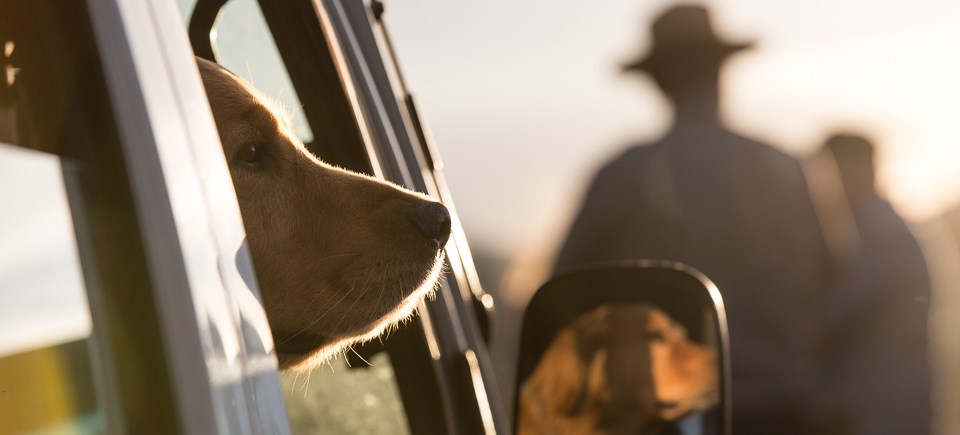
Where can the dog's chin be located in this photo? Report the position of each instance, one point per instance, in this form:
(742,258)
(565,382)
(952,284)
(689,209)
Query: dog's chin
(679,408)
(299,354)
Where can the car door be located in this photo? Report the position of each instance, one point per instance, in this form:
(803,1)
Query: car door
(168,335)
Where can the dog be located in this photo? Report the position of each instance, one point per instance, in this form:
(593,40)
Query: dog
(339,256)
(618,370)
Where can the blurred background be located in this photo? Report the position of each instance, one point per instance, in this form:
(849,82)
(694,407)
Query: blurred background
(532,91)
(526,100)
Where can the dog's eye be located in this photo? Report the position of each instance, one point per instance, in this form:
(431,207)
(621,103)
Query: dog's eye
(249,154)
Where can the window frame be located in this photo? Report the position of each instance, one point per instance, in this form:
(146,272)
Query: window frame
(454,313)
(440,358)
(467,390)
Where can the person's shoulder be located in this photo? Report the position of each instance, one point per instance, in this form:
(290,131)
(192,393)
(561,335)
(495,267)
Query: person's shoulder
(636,153)
(770,154)
(759,146)
(629,160)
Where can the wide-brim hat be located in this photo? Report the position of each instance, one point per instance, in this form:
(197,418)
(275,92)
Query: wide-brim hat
(684,33)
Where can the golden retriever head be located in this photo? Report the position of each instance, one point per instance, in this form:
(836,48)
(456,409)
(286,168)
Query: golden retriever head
(339,256)
(620,369)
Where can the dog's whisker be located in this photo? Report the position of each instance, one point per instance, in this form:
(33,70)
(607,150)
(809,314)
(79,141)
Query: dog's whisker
(400,280)
(331,308)
(336,256)
(318,295)
(380,296)
(306,385)
(348,310)
(359,297)
(249,72)
(359,356)
(318,318)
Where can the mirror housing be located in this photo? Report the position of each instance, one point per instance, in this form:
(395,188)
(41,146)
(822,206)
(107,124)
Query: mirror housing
(579,339)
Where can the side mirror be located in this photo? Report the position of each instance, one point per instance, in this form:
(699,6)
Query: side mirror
(637,348)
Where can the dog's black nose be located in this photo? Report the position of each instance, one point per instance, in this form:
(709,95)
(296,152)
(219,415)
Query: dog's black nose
(433,221)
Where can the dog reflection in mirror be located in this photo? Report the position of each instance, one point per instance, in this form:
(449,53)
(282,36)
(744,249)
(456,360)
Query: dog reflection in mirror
(618,370)
(339,256)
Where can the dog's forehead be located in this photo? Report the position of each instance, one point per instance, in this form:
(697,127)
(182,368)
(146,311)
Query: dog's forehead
(237,101)
(633,317)
(657,319)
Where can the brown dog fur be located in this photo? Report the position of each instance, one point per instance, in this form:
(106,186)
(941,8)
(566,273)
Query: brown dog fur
(338,255)
(617,370)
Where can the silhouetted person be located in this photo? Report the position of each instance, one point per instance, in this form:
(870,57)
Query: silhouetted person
(734,208)
(878,348)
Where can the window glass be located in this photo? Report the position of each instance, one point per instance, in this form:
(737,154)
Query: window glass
(40,280)
(341,399)
(246,48)
(45,378)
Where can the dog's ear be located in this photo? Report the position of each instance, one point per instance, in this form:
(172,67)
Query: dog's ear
(572,369)
(559,380)
(550,397)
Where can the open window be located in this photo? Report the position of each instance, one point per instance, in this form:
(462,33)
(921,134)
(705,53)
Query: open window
(332,61)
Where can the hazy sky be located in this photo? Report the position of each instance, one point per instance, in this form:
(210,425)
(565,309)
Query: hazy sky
(525,100)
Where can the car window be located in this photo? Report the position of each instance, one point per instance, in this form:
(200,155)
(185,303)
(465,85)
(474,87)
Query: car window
(80,335)
(334,398)
(245,47)
(45,377)
(343,399)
